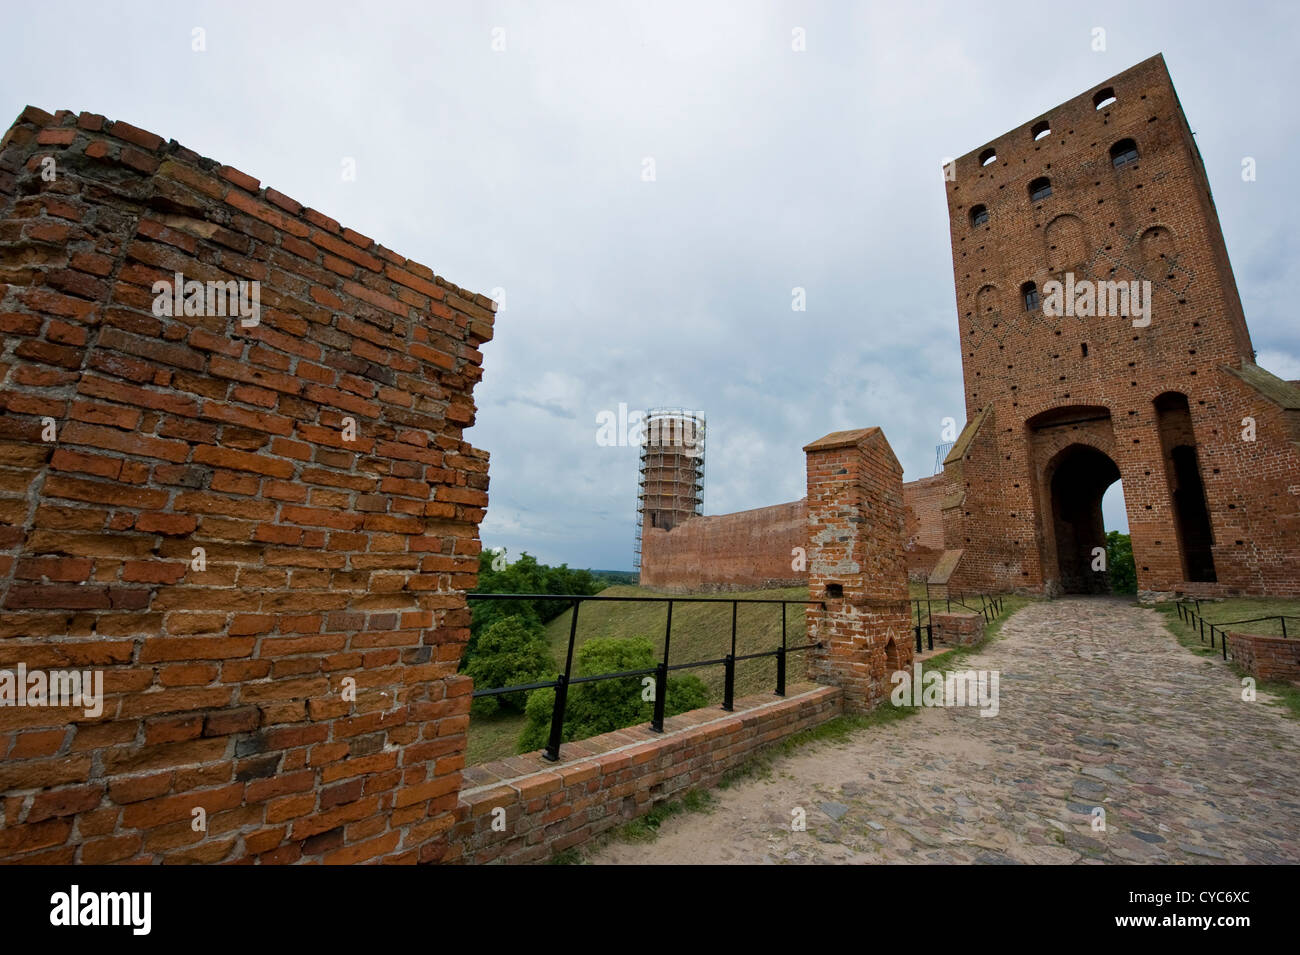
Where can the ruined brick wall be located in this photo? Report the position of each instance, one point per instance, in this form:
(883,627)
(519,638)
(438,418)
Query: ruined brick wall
(923,528)
(1026,371)
(747,550)
(128,439)
(1266,658)
(755,549)
(856,566)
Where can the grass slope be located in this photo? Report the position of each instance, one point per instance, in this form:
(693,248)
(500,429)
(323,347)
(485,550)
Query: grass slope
(1241,608)
(700,632)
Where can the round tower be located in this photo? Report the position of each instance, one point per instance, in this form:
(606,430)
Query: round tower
(671,476)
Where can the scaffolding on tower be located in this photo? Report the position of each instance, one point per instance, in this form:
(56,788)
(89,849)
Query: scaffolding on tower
(670,480)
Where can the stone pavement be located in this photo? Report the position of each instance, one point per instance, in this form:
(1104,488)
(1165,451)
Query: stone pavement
(1098,707)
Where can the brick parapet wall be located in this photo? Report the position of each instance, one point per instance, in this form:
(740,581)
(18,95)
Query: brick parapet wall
(1266,658)
(747,550)
(549,807)
(756,549)
(856,565)
(330,562)
(957,628)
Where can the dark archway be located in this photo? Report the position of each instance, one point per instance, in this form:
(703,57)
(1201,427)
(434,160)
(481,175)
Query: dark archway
(1183,472)
(1078,480)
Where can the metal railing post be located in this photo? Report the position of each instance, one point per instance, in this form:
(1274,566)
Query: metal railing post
(661,677)
(780,658)
(562,692)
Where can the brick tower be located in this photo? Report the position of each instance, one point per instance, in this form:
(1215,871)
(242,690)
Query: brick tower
(1072,386)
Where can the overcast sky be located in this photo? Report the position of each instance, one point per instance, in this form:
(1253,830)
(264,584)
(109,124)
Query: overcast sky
(523,170)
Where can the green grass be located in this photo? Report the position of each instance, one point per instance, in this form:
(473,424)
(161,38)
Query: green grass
(1240,608)
(493,737)
(646,828)
(700,632)
(951,659)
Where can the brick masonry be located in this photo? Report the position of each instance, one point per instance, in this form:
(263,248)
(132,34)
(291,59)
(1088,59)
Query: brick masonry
(331,560)
(751,550)
(607,780)
(1078,402)
(957,628)
(856,566)
(747,550)
(1266,658)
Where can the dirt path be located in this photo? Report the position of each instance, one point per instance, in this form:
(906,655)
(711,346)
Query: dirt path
(1098,707)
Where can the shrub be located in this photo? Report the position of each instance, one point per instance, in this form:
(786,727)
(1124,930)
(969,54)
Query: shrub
(607,705)
(511,651)
(1120,569)
(524,576)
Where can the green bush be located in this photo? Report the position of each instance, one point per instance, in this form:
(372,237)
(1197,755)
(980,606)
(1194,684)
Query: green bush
(607,705)
(524,576)
(1120,569)
(510,652)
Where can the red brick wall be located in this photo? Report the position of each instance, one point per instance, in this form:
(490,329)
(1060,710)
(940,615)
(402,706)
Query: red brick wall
(957,628)
(747,550)
(1266,658)
(923,531)
(328,561)
(856,565)
(750,550)
(1020,364)
(549,807)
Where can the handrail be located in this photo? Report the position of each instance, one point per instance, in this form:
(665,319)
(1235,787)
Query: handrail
(990,607)
(1196,620)
(660,671)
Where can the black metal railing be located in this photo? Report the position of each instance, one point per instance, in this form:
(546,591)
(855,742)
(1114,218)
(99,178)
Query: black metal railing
(990,607)
(1190,613)
(660,671)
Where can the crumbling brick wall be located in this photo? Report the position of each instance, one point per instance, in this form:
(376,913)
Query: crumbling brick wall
(768,546)
(298,683)
(747,550)
(856,566)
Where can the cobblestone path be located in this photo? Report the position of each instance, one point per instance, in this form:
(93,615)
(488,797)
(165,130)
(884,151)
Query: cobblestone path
(1098,707)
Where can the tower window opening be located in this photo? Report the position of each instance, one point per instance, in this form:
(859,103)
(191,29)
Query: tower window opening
(1030,293)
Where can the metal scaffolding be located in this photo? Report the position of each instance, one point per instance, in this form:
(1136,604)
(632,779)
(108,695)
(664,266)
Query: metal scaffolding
(670,481)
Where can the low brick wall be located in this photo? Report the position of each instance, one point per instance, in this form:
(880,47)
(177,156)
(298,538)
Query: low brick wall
(604,781)
(958,628)
(1266,658)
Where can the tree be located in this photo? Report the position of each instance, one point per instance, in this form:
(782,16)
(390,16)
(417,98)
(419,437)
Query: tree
(524,576)
(1120,568)
(511,652)
(606,705)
